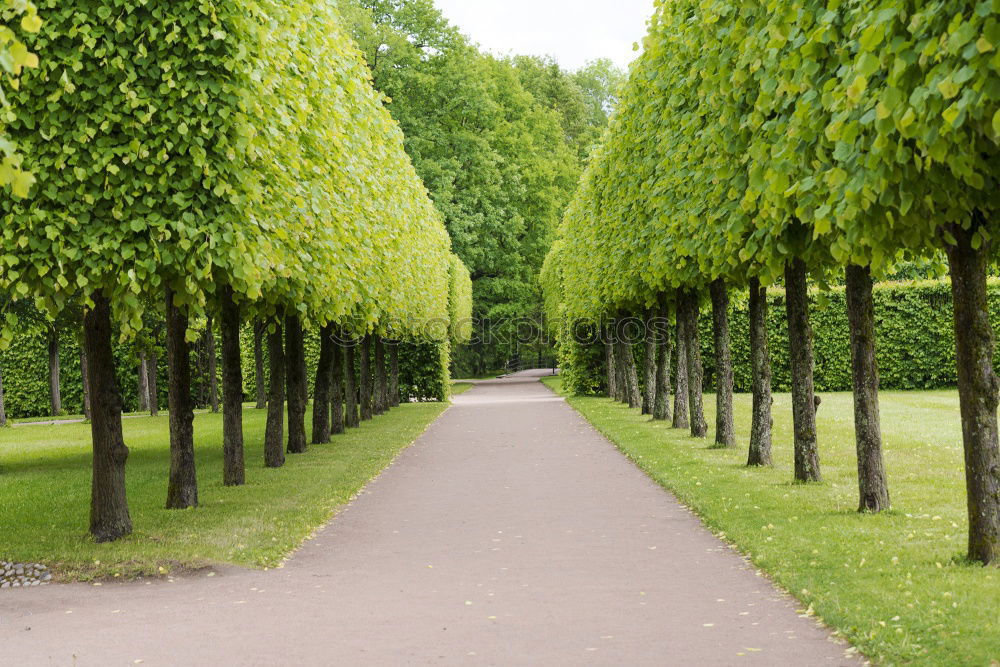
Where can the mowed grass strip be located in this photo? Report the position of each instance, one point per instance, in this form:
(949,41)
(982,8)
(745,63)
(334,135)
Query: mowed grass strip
(896,585)
(45,494)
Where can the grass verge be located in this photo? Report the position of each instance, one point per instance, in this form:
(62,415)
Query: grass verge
(45,494)
(460,387)
(896,585)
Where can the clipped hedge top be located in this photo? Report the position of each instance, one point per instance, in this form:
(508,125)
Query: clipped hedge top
(753,132)
(195,142)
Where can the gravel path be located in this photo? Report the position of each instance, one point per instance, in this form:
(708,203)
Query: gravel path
(510,533)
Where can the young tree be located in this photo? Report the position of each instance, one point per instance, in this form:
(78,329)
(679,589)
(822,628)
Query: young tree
(725,435)
(296,384)
(182,490)
(760,361)
(230,320)
(55,395)
(274,450)
(322,393)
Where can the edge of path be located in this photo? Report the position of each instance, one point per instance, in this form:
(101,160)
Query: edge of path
(850,648)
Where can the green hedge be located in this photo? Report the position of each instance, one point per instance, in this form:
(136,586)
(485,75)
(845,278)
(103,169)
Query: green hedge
(914,333)
(914,328)
(423,371)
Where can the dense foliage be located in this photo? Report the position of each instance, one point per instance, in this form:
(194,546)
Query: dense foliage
(762,140)
(184,150)
(498,142)
(16,17)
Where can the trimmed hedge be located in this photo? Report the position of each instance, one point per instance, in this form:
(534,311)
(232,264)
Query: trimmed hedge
(914,336)
(423,371)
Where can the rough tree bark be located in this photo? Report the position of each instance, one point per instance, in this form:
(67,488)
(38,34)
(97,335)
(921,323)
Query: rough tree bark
(681,409)
(661,406)
(630,375)
(977,391)
(800,347)
(295,384)
(85,379)
(337,389)
(213,369)
(152,370)
(381,378)
(259,327)
(760,362)
(321,394)
(366,383)
(182,489)
(696,372)
(143,384)
(109,517)
(725,431)
(649,364)
(872,483)
(274,432)
(351,385)
(234,464)
(394,374)
(55,396)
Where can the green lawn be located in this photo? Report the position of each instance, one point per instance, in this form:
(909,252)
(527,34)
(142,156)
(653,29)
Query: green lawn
(460,387)
(895,585)
(45,494)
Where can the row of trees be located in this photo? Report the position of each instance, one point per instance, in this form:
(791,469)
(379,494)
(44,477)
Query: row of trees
(231,162)
(758,143)
(499,142)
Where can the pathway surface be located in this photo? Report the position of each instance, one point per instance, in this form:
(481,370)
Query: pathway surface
(511,533)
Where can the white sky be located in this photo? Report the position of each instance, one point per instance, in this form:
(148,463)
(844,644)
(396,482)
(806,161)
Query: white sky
(572,31)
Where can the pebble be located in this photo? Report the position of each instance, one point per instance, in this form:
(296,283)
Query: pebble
(23,575)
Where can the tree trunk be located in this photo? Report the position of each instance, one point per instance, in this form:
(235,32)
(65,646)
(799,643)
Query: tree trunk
(152,370)
(350,385)
(85,379)
(626,361)
(874,489)
(381,378)
(296,380)
(649,365)
(337,389)
(274,434)
(760,361)
(977,391)
(696,372)
(234,465)
(661,406)
(3,409)
(182,490)
(367,385)
(258,358)
(394,375)
(55,396)
(725,432)
(681,408)
(800,347)
(321,395)
(143,384)
(213,370)
(109,517)
(609,361)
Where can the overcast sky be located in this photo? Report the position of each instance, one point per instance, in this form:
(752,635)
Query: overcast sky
(572,31)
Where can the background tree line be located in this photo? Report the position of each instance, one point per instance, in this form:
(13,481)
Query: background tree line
(499,142)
